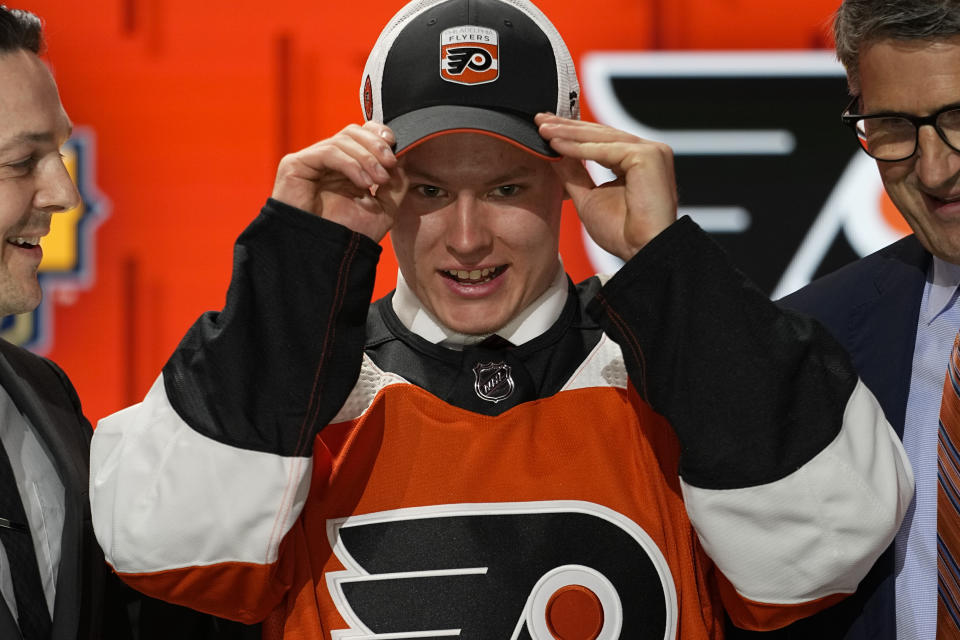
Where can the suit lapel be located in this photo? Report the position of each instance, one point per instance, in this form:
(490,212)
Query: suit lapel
(882,329)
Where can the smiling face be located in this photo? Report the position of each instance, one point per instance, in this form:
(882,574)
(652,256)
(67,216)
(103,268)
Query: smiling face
(477,233)
(919,77)
(34,183)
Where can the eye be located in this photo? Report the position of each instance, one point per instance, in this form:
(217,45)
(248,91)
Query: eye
(506,191)
(22,167)
(429,191)
(27,163)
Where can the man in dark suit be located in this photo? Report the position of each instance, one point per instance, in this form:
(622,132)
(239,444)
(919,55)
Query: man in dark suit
(54,583)
(896,311)
(55,591)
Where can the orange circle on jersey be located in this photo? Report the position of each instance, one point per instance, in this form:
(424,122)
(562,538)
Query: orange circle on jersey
(574,613)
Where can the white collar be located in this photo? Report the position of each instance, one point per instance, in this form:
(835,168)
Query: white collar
(943,288)
(533,321)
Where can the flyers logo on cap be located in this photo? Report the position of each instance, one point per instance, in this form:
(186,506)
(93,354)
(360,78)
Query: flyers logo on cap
(469,55)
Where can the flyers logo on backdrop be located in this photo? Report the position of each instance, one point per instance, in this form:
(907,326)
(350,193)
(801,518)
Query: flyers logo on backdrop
(521,570)
(68,251)
(762,159)
(469,55)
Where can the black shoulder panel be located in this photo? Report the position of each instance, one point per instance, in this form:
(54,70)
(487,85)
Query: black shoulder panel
(752,391)
(271,369)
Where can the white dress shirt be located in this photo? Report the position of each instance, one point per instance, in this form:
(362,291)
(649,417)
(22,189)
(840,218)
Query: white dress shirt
(916,542)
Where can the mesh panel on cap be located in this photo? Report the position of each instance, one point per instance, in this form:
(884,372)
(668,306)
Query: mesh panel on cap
(566,72)
(378,55)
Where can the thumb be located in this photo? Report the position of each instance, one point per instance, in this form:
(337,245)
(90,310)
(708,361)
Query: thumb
(575,177)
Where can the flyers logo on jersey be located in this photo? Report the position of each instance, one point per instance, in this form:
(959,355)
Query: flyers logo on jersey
(520,570)
(469,55)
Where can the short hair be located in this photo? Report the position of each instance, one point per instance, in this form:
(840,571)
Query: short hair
(20,29)
(861,22)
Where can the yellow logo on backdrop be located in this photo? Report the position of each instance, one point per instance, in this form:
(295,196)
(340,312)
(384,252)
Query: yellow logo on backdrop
(68,251)
(61,246)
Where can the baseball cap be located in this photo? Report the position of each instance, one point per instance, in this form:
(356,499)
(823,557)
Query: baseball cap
(487,66)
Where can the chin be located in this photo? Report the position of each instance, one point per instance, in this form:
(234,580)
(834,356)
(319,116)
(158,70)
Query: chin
(474,330)
(17,302)
(470,327)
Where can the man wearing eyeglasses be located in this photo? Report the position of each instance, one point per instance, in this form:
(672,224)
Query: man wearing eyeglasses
(896,311)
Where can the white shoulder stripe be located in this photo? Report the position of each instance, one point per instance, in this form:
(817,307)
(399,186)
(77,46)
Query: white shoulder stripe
(819,530)
(369,383)
(164,496)
(603,367)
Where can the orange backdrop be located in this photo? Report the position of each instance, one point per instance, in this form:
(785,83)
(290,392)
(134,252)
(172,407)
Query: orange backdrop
(192,104)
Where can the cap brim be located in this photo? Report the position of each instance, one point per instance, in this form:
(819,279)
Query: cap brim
(416,127)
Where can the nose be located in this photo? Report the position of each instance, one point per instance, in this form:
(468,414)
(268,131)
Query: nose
(468,235)
(56,190)
(936,162)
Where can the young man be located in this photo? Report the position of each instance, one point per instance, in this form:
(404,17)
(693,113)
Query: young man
(896,311)
(491,451)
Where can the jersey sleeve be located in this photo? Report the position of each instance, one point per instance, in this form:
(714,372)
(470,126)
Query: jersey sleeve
(791,475)
(194,489)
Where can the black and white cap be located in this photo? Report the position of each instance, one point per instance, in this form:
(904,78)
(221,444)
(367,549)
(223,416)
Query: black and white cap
(487,66)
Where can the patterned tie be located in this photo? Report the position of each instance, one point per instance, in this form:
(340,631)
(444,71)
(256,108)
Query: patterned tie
(948,503)
(32,613)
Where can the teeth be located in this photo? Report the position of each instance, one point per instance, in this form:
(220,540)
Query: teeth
(475,274)
(32,240)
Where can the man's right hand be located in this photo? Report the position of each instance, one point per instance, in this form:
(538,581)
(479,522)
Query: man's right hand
(351,178)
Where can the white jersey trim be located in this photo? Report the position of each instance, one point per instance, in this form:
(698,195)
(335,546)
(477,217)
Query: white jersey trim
(815,532)
(164,496)
(603,367)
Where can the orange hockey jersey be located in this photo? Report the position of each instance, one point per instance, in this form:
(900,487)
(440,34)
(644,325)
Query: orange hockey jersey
(637,470)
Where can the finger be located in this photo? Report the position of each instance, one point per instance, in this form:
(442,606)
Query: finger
(391,194)
(552,127)
(369,156)
(358,154)
(377,138)
(381,130)
(371,145)
(323,164)
(575,177)
(618,156)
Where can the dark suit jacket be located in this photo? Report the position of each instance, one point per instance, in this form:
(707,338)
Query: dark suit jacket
(871,307)
(91,602)
(42,392)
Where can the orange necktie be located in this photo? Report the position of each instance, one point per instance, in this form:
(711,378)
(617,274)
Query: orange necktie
(948,503)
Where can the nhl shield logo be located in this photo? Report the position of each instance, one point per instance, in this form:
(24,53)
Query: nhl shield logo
(469,55)
(493,381)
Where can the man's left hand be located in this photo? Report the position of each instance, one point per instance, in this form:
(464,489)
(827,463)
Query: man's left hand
(625,214)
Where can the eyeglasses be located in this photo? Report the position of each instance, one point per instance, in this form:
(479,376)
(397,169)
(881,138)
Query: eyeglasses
(892,137)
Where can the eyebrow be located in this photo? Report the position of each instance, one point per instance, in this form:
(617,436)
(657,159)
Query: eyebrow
(890,112)
(33,137)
